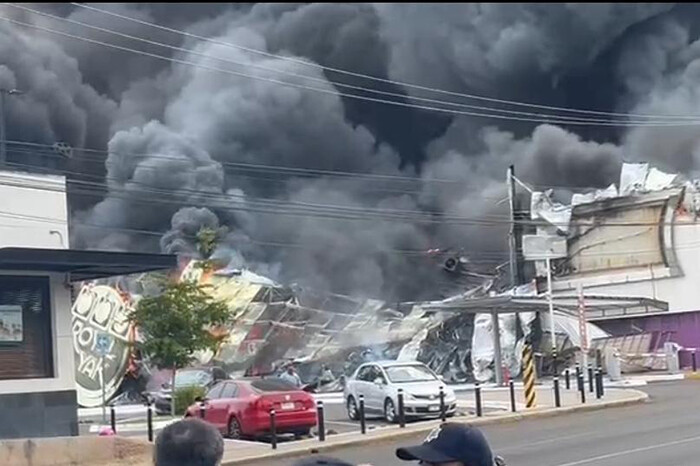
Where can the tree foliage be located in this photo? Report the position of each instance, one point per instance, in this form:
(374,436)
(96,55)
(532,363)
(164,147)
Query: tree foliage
(178,322)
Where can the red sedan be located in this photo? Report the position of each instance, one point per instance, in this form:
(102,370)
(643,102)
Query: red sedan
(241,408)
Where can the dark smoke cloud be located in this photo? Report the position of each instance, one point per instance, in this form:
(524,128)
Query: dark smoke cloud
(177,135)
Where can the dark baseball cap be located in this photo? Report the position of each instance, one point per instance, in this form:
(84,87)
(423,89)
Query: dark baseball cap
(451,442)
(321,461)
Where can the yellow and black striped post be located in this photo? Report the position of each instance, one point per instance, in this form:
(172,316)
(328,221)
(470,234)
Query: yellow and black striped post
(529,377)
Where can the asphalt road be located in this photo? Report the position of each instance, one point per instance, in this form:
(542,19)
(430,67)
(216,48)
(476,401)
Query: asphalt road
(665,431)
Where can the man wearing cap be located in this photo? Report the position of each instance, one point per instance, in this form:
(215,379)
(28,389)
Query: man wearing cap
(452,444)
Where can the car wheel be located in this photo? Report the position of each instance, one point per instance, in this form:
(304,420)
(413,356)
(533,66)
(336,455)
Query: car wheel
(389,411)
(352,409)
(234,429)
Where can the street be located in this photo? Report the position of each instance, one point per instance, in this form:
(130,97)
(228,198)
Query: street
(665,431)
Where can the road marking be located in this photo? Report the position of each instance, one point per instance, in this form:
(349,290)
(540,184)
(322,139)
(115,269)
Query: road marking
(631,451)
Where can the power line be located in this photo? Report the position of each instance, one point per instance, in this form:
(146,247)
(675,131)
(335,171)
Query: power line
(334,93)
(374,78)
(313,78)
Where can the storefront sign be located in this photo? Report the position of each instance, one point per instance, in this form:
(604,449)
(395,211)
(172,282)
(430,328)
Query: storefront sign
(100,334)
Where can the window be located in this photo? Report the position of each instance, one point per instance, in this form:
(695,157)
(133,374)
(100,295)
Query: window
(272,385)
(364,374)
(215,393)
(25,309)
(406,374)
(229,390)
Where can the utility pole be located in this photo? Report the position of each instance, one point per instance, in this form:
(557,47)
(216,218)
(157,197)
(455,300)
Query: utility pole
(513,243)
(3,138)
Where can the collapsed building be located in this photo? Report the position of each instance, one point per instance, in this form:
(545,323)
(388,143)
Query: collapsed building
(627,254)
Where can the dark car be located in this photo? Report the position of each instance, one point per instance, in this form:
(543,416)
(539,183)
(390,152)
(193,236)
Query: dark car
(205,377)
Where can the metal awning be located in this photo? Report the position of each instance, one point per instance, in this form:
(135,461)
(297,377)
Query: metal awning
(83,264)
(597,307)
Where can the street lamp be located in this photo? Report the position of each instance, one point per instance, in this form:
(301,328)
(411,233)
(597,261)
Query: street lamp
(3,139)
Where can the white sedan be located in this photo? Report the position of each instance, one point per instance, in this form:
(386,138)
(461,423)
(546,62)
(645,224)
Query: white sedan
(379,383)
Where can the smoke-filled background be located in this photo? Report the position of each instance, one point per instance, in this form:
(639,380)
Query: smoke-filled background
(161,148)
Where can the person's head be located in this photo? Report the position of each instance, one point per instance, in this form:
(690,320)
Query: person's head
(451,444)
(317,460)
(190,442)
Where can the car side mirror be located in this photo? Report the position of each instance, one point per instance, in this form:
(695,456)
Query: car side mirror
(379,381)
(441,378)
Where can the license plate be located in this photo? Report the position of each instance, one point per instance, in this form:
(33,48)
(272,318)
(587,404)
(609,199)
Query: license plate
(433,408)
(288,406)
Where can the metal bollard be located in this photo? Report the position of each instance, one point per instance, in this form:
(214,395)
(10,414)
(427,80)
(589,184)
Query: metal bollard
(602,386)
(273,429)
(590,378)
(578,377)
(582,388)
(511,386)
(112,419)
(477,394)
(443,413)
(695,363)
(402,414)
(557,395)
(321,423)
(598,383)
(149,421)
(202,410)
(567,378)
(363,422)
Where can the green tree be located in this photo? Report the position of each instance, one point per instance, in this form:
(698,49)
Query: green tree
(177,323)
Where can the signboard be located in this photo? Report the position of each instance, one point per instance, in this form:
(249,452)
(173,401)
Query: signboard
(11,329)
(100,334)
(541,247)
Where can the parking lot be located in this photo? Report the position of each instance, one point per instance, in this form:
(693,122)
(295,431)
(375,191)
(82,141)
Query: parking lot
(132,419)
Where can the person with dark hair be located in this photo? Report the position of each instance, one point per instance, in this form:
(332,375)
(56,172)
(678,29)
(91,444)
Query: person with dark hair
(452,444)
(190,442)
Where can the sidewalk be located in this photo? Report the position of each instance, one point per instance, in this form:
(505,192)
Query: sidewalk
(246,453)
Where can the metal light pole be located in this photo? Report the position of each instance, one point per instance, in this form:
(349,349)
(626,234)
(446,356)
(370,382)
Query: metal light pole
(3,138)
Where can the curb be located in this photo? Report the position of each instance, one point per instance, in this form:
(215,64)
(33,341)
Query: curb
(425,427)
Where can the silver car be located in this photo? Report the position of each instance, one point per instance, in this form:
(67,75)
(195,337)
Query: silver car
(380,382)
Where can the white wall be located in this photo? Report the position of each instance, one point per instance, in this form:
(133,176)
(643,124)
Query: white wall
(34,214)
(64,373)
(33,211)
(682,292)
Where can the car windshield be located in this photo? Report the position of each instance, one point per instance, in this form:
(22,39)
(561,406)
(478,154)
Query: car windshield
(191,378)
(406,374)
(272,385)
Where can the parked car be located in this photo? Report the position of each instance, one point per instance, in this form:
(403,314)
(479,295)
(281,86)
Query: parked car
(380,382)
(205,377)
(241,408)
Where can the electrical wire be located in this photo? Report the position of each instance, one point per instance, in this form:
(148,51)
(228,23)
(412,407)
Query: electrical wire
(370,77)
(311,78)
(334,93)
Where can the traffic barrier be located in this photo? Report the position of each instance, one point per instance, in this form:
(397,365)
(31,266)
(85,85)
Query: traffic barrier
(321,422)
(149,420)
(443,411)
(112,419)
(529,377)
(567,378)
(590,378)
(602,385)
(202,410)
(363,421)
(695,363)
(273,429)
(598,383)
(402,415)
(477,395)
(557,395)
(578,377)
(511,386)
(582,388)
